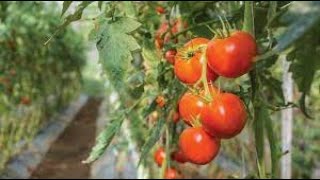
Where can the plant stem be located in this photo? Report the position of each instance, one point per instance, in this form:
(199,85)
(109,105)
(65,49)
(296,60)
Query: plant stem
(248,24)
(198,25)
(203,78)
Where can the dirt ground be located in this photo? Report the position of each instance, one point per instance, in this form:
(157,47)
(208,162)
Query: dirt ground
(63,160)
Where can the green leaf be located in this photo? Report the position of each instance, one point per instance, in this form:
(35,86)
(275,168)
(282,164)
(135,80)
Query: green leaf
(272,10)
(301,16)
(248,24)
(129,9)
(71,18)
(273,85)
(149,109)
(305,63)
(66,5)
(104,139)
(302,104)
(76,15)
(115,45)
(154,136)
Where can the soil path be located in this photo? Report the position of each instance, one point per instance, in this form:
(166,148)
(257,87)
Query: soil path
(63,160)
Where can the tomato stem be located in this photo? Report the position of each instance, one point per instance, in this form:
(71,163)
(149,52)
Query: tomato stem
(203,78)
(225,32)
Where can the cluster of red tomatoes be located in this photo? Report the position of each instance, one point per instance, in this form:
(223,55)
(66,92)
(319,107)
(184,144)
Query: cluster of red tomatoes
(210,113)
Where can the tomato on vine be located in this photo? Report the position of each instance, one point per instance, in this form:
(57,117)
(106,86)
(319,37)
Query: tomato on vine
(172,173)
(198,146)
(190,107)
(225,116)
(179,157)
(191,104)
(232,56)
(188,61)
(159,156)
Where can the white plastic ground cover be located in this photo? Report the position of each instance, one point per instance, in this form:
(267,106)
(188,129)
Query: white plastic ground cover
(22,165)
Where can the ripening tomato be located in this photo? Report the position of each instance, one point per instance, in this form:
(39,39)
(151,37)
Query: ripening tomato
(172,173)
(198,146)
(188,62)
(191,105)
(160,10)
(179,157)
(225,116)
(233,56)
(169,56)
(159,156)
(161,101)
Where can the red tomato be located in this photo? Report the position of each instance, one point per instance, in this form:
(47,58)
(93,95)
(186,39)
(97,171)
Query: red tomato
(178,156)
(169,56)
(160,10)
(211,75)
(172,173)
(233,56)
(188,65)
(191,105)
(159,156)
(198,146)
(225,116)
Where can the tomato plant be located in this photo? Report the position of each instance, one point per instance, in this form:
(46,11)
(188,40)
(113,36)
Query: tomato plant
(223,68)
(232,46)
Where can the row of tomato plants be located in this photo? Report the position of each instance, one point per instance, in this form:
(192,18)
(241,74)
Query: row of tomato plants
(36,80)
